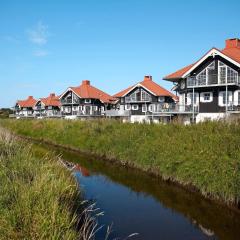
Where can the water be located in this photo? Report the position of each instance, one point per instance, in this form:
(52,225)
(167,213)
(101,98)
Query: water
(135,202)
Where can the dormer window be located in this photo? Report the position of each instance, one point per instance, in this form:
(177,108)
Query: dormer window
(87,101)
(161,99)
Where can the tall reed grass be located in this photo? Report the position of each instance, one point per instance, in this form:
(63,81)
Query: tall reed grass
(204,156)
(39,199)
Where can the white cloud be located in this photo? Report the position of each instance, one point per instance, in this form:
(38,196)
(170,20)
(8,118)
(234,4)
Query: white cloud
(40,53)
(38,35)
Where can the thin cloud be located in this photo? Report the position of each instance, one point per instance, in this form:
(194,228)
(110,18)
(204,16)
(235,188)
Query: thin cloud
(38,35)
(40,53)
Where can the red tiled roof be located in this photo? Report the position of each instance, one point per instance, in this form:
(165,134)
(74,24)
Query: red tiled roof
(123,92)
(178,73)
(85,90)
(231,50)
(233,53)
(51,100)
(151,86)
(29,102)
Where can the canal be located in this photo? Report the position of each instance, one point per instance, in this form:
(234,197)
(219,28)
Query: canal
(134,202)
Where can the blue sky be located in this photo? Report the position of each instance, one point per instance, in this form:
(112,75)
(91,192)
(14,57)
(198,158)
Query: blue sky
(46,46)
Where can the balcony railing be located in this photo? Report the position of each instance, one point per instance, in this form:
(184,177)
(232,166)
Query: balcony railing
(212,79)
(137,99)
(234,106)
(174,108)
(83,113)
(70,101)
(117,113)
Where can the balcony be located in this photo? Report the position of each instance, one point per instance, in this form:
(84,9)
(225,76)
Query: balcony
(117,113)
(138,99)
(233,106)
(70,101)
(212,80)
(174,109)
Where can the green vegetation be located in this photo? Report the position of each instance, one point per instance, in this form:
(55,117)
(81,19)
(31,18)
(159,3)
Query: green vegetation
(38,196)
(4,112)
(205,156)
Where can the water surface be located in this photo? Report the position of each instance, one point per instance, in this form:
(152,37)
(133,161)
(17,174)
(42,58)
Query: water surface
(135,202)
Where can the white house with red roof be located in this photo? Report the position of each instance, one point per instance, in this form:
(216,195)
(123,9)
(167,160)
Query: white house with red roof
(48,107)
(211,85)
(144,102)
(85,101)
(25,108)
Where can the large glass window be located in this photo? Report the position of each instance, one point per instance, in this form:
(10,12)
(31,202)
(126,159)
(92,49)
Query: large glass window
(205,76)
(226,73)
(145,96)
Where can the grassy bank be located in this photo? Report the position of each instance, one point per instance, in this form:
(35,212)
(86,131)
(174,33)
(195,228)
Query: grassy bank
(38,196)
(205,156)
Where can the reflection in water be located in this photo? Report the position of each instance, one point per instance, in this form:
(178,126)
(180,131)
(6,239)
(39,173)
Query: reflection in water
(137,202)
(82,170)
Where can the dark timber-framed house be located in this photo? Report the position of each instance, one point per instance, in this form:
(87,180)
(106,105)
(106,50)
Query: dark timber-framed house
(85,101)
(145,101)
(211,86)
(25,108)
(48,107)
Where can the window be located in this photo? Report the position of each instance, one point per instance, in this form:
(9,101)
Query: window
(151,108)
(237,97)
(144,108)
(87,101)
(161,99)
(135,107)
(127,107)
(190,98)
(226,73)
(204,77)
(206,97)
(232,75)
(222,98)
(145,96)
(133,96)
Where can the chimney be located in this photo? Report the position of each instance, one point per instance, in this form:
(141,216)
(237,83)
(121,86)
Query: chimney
(85,82)
(232,43)
(52,95)
(30,97)
(147,78)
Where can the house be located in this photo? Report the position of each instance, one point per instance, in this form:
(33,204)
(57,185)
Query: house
(48,107)
(211,85)
(145,101)
(85,101)
(24,108)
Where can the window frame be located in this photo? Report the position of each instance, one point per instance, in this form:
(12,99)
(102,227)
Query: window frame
(227,69)
(127,107)
(221,96)
(135,107)
(202,96)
